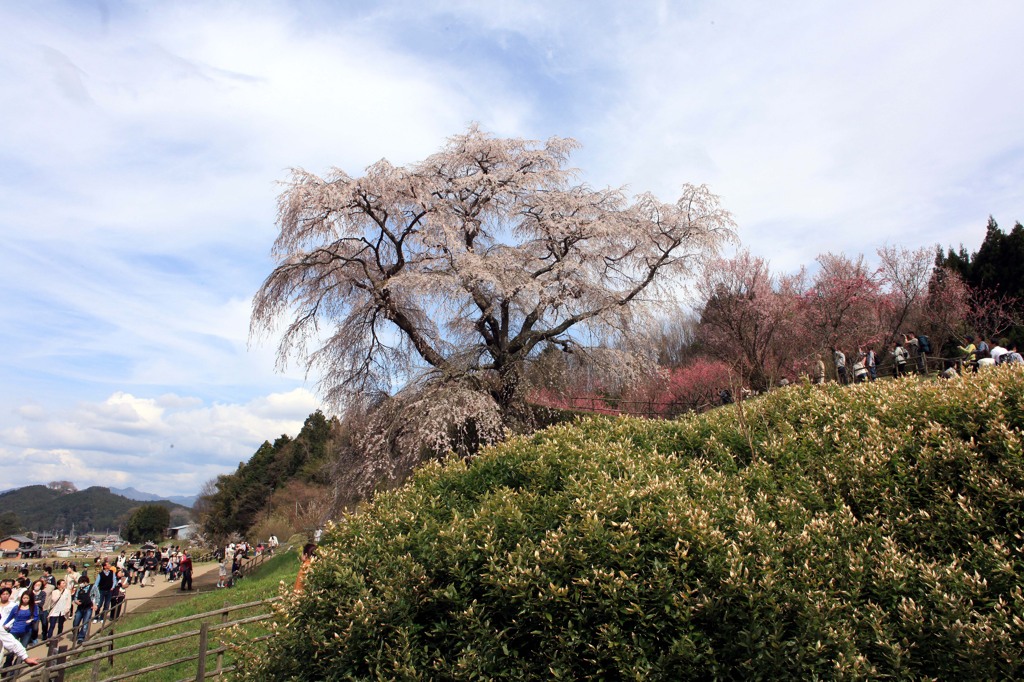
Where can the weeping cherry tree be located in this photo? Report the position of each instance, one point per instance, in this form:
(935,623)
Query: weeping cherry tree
(465,264)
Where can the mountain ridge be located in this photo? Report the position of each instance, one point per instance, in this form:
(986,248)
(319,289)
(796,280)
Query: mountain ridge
(97,508)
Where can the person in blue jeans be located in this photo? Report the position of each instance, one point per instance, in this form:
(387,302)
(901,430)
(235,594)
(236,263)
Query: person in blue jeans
(83,609)
(21,621)
(105,580)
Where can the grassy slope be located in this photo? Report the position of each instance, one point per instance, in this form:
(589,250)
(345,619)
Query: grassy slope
(261,585)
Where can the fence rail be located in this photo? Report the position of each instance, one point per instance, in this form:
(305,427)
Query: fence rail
(56,663)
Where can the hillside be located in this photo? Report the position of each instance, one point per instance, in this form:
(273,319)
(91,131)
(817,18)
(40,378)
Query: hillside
(40,508)
(870,531)
(142,496)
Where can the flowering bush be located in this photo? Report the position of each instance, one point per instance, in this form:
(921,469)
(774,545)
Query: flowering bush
(667,393)
(831,532)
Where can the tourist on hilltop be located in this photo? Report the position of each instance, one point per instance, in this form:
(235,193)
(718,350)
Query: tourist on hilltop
(83,609)
(58,605)
(1012,356)
(840,361)
(899,355)
(913,348)
(870,361)
(924,348)
(860,370)
(997,351)
(819,370)
(968,352)
(21,622)
(982,351)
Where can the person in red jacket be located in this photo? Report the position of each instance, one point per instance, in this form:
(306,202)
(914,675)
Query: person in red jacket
(186,571)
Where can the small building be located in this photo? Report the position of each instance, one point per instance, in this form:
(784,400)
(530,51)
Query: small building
(182,532)
(19,546)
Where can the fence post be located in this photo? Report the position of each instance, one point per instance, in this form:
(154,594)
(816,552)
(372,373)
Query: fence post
(220,654)
(51,650)
(201,665)
(110,658)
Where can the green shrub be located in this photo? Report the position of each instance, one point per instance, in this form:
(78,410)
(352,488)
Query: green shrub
(831,532)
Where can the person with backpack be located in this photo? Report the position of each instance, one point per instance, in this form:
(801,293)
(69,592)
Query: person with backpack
(924,349)
(83,609)
(1012,357)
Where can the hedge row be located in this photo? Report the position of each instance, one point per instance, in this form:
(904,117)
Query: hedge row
(817,532)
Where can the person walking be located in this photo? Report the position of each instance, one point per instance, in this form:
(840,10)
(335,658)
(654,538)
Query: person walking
(104,585)
(150,565)
(186,571)
(117,594)
(59,604)
(21,622)
(83,609)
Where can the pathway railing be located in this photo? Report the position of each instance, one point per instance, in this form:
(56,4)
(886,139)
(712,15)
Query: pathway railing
(62,658)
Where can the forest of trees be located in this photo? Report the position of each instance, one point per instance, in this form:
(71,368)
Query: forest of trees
(283,485)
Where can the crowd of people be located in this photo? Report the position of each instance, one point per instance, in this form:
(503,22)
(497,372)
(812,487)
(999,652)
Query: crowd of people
(911,353)
(35,610)
(230,558)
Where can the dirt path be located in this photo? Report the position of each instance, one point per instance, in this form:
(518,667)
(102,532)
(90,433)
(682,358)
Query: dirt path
(140,599)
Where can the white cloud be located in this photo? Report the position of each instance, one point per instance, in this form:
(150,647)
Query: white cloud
(167,445)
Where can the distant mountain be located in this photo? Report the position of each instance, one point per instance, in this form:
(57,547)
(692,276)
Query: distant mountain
(133,494)
(93,509)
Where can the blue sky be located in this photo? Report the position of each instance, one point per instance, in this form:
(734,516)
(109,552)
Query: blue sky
(142,143)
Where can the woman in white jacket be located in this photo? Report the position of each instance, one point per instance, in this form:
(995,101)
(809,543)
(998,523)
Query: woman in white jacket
(59,602)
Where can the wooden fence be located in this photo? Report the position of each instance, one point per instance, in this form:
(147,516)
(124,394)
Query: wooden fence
(62,657)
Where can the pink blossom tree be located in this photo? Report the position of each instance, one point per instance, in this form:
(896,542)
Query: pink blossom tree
(751,318)
(842,303)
